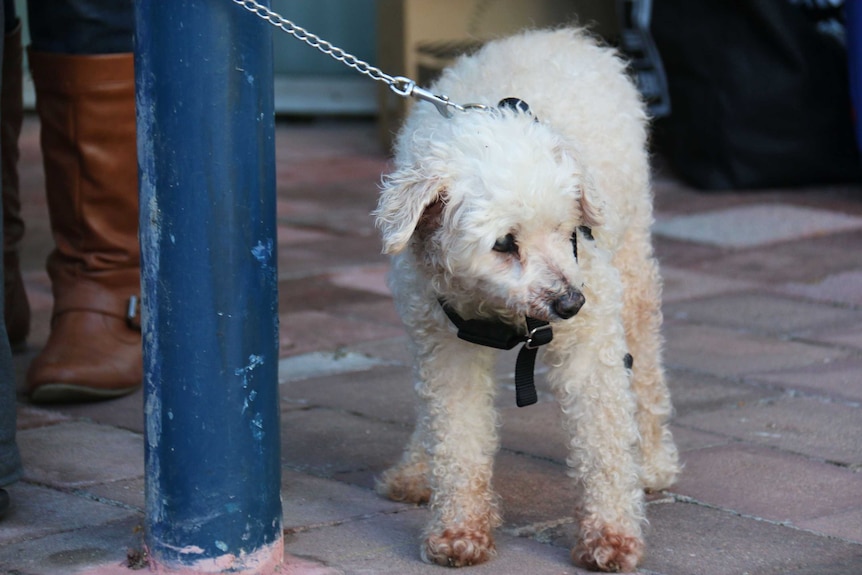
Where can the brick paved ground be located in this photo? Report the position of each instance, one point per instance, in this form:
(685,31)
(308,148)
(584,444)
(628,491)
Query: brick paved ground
(763,305)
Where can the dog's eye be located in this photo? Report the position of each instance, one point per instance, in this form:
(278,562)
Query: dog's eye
(506,244)
(575,244)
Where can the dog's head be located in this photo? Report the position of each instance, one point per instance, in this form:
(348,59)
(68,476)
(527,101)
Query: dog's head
(494,207)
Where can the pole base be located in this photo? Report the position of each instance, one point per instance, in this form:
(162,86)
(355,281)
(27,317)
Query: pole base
(267,560)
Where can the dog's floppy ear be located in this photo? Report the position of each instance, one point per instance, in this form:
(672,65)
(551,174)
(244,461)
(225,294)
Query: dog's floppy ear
(405,198)
(591,212)
(589,199)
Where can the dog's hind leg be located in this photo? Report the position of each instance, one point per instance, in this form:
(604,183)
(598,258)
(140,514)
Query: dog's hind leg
(642,319)
(409,480)
(454,447)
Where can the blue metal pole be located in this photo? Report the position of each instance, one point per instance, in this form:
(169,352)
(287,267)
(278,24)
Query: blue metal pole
(210,297)
(853,14)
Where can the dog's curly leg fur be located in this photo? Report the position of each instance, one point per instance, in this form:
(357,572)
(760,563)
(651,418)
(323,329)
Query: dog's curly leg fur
(599,415)
(642,319)
(593,386)
(602,459)
(408,481)
(456,436)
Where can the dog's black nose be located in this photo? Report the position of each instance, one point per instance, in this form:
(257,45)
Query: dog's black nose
(569,304)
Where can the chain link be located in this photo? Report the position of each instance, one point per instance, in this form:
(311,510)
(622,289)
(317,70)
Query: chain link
(316,42)
(404,87)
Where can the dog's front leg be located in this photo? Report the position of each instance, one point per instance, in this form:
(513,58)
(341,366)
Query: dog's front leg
(593,386)
(456,393)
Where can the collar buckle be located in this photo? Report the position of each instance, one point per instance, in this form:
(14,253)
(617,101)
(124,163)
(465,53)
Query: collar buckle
(539,336)
(499,335)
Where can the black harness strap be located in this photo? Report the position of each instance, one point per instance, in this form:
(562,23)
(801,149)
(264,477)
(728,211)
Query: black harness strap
(501,335)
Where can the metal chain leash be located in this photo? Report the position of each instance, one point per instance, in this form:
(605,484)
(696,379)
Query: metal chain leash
(404,87)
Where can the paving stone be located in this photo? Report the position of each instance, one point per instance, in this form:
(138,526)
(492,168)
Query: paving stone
(819,429)
(296,143)
(382,393)
(686,539)
(844,287)
(79,454)
(389,545)
(682,284)
(342,253)
(393,350)
(20,364)
(37,512)
(124,412)
(804,261)
(761,312)
(848,336)
(755,225)
(380,311)
(839,379)
(128,492)
(844,524)
(28,417)
(685,255)
(357,220)
(724,352)
(38,286)
(369,278)
(690,539)
(320,293)
(288,235)
(334,170)
(307,331)
(533,491)
(298,566)
(690,439)
(536,430)
(696,392)
(98,550)
(332,443)
(320,364)
(761,482)
(310,502)
(673,197)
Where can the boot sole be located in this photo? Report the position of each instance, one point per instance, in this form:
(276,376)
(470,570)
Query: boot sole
(71,393)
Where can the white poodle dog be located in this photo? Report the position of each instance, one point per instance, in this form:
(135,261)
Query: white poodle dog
(537,208)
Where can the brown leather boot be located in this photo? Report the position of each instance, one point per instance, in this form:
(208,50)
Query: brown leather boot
(16,308)
(86,105)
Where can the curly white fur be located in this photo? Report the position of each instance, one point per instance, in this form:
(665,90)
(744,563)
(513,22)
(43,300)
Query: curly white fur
(459,187)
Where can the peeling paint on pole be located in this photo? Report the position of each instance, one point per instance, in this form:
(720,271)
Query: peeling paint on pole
(210,302)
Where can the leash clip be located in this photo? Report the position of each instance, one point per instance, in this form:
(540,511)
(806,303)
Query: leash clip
(405,87)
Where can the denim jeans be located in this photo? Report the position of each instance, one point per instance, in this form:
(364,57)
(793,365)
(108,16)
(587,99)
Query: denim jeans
(10,461)
(78,26)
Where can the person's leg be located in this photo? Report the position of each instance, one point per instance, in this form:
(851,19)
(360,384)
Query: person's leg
(16,309)
(83,73)
(10,461)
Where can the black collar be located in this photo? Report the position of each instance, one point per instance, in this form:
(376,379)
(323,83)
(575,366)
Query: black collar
(500,335)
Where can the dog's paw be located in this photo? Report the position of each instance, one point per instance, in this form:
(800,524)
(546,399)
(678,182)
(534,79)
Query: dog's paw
(608,550)
(458,547)
(658,478)
(661,468)
(408,487)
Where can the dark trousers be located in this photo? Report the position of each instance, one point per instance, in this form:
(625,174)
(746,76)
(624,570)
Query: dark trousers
(77,26)
(10,462)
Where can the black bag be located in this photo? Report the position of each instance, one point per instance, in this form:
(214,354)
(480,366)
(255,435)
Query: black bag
(759,96)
